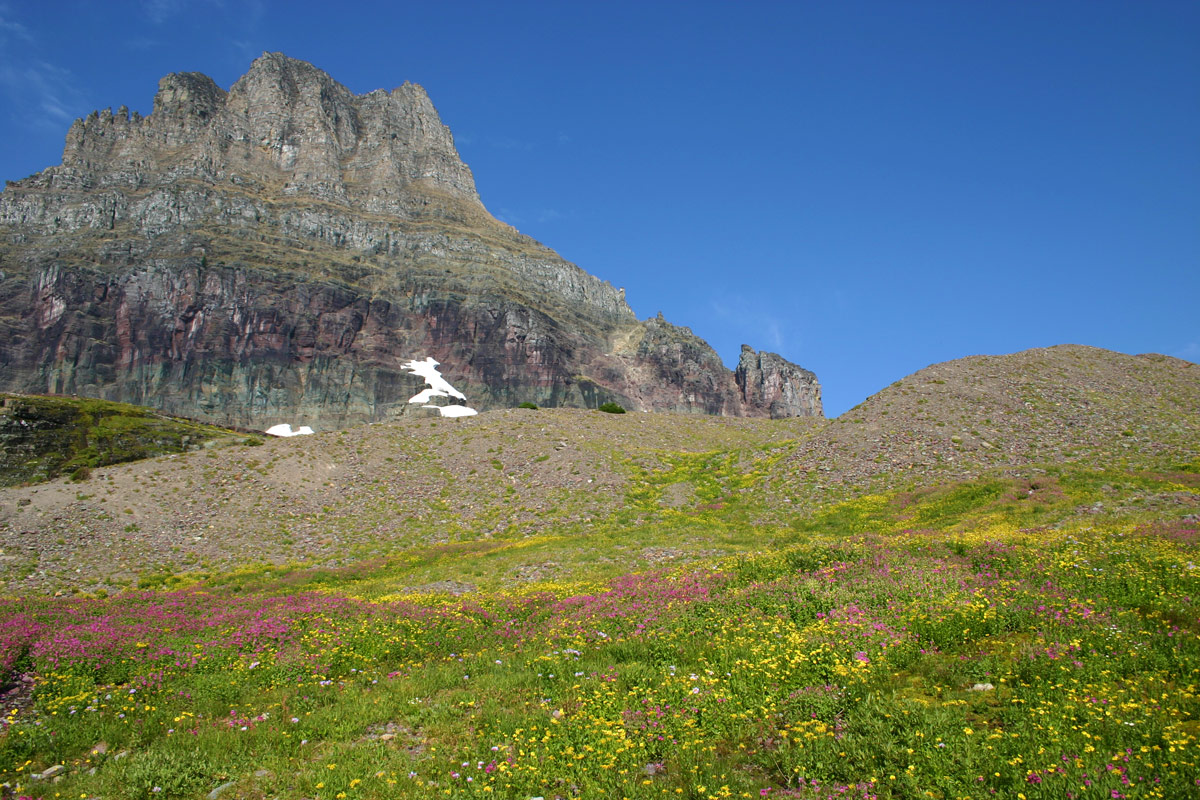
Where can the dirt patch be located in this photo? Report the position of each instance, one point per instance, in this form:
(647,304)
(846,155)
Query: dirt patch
(398,736)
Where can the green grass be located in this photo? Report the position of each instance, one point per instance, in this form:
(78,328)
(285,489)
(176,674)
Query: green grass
(812,654)
(847,660)
(45,437)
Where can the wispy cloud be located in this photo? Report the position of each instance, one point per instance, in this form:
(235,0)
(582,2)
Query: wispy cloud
(12,30)
(775,334)
(509,143)
(753,322)
(39,86)
(159,11)
(143,43)
(40,94)
(244,14)
(252,11)
(539,216)
(1189,352)
(510,216)
(244,50)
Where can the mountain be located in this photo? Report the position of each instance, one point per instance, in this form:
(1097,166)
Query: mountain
(276,252)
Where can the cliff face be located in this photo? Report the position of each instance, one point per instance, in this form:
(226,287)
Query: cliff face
(274,253)
(770,382)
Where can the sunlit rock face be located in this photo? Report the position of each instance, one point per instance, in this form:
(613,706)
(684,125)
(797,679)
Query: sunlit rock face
(276,253)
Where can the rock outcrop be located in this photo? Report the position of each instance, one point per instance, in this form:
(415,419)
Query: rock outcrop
(277,252)
(770,382)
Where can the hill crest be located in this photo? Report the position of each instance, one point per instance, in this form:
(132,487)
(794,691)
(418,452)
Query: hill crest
(1056,404)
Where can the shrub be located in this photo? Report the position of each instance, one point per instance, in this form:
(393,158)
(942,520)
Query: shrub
(81,474)
(168,773)
(612,408)
(527,404)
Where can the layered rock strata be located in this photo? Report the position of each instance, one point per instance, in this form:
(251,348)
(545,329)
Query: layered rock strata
(277,252)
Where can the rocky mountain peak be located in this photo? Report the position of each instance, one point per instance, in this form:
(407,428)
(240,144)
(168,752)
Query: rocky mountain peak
(276,252)
(286,123)
(184,95)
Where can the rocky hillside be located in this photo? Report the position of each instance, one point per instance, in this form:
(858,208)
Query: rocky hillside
(1053,405)
(366,492)
(274,252)
(530,487)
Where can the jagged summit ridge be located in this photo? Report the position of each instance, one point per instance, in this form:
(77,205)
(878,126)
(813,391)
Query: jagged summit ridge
(277,251)
(285,117)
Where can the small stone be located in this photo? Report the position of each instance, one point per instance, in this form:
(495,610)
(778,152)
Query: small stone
(387,737)
(215,793)
(263,773)
(982,687)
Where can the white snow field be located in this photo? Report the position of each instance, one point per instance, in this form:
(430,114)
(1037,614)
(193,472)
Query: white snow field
(437,387)
(283,429)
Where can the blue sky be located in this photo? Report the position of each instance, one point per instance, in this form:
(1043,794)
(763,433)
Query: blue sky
(866,188)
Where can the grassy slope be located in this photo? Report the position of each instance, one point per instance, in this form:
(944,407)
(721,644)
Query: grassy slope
(526,495)
(844,655)
(701,620)
(398,491)
(44,437)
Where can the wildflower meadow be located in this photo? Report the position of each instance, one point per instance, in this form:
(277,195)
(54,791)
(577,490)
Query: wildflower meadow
(889,646)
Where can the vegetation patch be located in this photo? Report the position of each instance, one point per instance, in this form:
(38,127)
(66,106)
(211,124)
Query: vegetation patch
(924,643)
(43,437)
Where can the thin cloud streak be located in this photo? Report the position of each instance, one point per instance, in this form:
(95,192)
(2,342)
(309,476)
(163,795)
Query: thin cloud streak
(43,86)
(159,11)
(7,27)
(757,328)
(508,143)
(42,96)
(1189,352)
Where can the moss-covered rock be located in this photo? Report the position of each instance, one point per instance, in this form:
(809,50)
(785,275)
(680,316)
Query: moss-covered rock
(43,437)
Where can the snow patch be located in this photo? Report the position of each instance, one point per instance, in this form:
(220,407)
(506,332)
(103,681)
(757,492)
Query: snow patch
(284,429)
(437,387)
(454,411)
